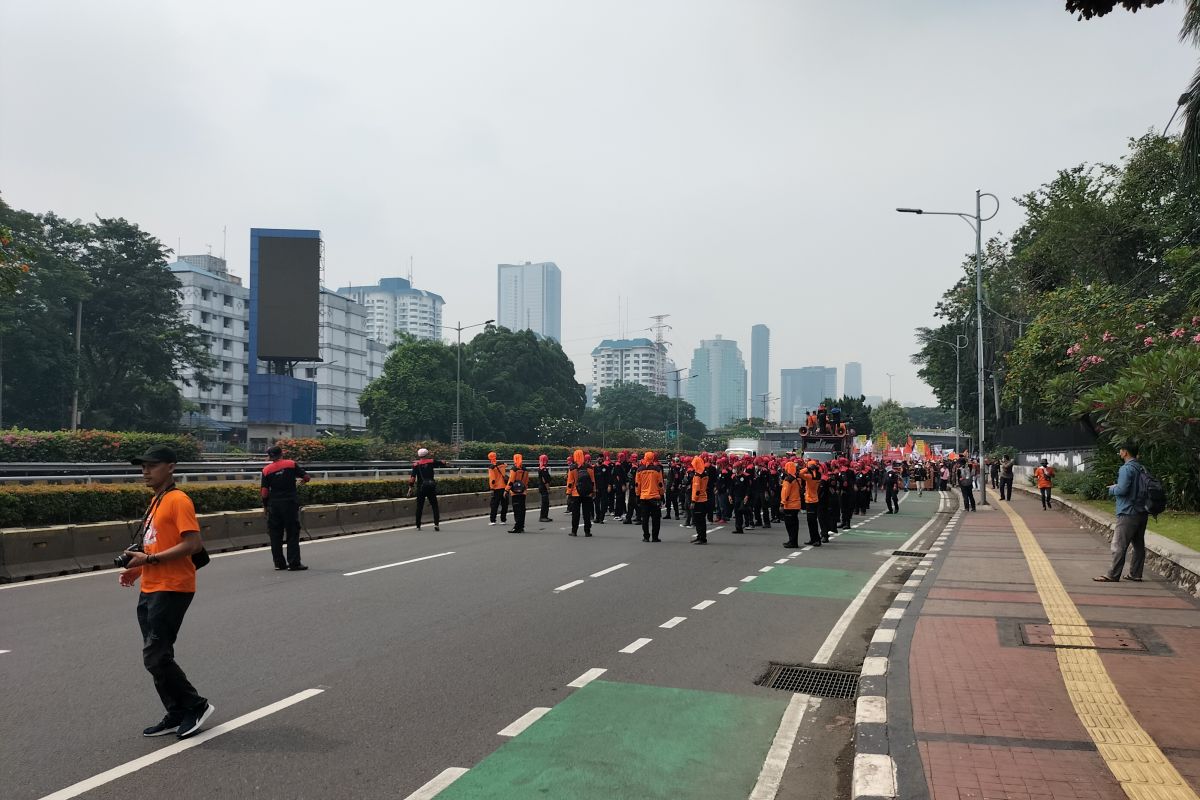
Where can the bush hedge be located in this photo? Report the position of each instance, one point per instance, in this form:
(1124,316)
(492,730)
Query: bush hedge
(23,445)
(25,506)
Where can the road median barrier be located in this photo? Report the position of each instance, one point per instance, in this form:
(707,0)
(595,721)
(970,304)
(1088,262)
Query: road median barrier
(246,529)
(321,521)
(38,552)
(372,515)
(214,530)
(95,545)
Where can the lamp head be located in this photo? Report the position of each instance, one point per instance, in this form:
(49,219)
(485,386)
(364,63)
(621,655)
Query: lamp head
(911,210)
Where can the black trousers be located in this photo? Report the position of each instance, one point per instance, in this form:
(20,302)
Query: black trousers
(518,509)
(544,513)
(791,523)
(700,519)
(601,501)
(893,500)
(581,505)
(499,502)
(631,504)
(814,525)
(848,499)
(618,503)
(283,518)
(742,516)
(1045,497)
(1006,483)
(672,503)
(651,512)
(160,615)
(430,493)
(968,493)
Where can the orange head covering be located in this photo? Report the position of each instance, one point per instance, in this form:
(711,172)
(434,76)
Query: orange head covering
(543,461)
(518,459)
(697,464)
(492,457)
(578,456)
(790,468)
(648,457)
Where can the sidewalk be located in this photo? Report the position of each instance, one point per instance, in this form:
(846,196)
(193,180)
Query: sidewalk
(1028,680)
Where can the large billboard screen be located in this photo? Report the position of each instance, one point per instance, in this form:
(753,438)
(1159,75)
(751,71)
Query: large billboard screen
(289,296)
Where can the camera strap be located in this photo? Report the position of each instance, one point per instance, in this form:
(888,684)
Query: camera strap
(140,537)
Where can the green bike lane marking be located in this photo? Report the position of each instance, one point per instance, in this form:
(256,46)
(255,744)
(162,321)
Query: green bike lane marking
(838,584)
(622,740)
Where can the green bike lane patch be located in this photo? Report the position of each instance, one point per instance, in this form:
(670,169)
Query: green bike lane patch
(622,740)
(836,584)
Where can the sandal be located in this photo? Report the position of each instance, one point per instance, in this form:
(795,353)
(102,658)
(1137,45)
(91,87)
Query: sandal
(1131,578)
(1105,579)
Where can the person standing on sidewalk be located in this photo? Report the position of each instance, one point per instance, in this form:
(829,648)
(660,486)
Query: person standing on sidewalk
(1006,477)
(1132,517)
(650,496)
(170,536)
(544,483)
(498,483)
(518,485)
(424,479)
(966,482)
(1045,482)
(282,506)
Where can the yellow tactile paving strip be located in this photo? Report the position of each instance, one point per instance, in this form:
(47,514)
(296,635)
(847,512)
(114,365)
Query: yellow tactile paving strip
(1134,759)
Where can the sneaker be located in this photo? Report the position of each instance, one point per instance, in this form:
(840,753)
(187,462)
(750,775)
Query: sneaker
(297,567)
(572,533)
(437,527)
(194,720)
(167,725)
(493,522)
(659,540)
(279,567)
(514,530)
(587,533)
(700,541)
(791,545)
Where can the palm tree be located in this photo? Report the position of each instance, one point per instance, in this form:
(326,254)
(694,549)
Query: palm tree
(1190,100)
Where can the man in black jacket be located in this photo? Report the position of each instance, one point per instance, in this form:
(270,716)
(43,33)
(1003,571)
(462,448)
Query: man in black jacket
(282,506)
(426,483)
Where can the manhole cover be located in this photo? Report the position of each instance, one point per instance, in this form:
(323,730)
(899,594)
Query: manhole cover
(1100,638)
(815,682)
(911,553)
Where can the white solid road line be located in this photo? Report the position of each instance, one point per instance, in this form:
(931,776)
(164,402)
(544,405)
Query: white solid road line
(672,622)
(435,786)
(525,721)
(606,571)
(728,590)
(5,651)
(635,646)
(767,785)
(397,564)
(130,767)
(586,678)
(566,586)
(703,604)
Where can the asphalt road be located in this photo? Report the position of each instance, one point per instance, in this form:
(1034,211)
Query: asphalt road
(420,666)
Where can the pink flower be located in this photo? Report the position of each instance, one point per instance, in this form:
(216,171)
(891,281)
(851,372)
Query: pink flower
(1108,337)
(1196,320)
(1177,333)
(1073,349)
(1196,338)
(1149,340)
(1140,326)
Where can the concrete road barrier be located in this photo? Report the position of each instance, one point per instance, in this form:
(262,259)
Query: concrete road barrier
(36,553)
(214,530)
(95,546)
(372,515)
(321,521)
(247,529)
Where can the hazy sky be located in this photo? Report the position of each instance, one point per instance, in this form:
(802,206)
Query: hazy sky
(727,163)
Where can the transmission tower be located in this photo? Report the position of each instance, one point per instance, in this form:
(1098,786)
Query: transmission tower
(660,353)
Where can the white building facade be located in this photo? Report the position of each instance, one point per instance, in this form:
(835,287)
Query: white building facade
(394,306)
(529,297)
(624,361)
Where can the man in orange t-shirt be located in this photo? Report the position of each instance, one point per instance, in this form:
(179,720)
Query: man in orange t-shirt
(1045,482)
(170,535)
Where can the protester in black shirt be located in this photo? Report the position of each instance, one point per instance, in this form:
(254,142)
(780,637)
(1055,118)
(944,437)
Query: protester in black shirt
(282,506)
(544,484)
(424,480)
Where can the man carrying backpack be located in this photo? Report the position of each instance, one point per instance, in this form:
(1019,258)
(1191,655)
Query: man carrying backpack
(1132,491)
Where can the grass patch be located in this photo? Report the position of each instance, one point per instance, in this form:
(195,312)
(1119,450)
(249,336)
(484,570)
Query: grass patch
(1178,526)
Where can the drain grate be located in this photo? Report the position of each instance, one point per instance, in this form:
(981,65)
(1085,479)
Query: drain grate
(815,682)
(911,553)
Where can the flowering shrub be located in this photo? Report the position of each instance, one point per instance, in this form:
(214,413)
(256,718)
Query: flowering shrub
(92,446)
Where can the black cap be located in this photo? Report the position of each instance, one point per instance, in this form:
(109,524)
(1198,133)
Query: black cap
(158,454)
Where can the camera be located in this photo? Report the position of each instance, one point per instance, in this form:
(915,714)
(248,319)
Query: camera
(123,560)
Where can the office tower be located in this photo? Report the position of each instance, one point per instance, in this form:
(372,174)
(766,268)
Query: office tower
(717,386)
(803,390)
(394,306)
(529,297)
(853,380)
(760,371)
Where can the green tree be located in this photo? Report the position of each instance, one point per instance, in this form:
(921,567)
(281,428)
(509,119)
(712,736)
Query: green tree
(891,418)
(632,405)
(925,418)
(414,397)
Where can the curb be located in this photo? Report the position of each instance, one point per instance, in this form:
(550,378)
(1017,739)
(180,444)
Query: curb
(1178,564)
(876,776)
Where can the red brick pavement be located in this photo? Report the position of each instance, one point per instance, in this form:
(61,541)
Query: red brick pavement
(992,716)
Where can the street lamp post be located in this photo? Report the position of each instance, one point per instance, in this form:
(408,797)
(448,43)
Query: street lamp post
(675,372)
(957,382)
(976,221)
(890,376)
(457,437)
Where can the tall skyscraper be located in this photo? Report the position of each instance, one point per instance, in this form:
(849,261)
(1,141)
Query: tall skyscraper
(718,388)
(760,371)
(853,379)
(803,390)
(624,361)
(394,306)
(529,297)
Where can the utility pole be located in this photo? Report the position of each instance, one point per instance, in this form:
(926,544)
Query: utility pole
(78,334)
(890,376)
(660,353)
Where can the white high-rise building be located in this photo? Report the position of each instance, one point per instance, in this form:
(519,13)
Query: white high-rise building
(216,302)
(626,361)
(717,386)
(394,306)
(529,297)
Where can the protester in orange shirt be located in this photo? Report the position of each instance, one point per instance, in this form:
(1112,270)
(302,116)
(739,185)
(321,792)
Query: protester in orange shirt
(789,499)
(811,476)
(498,483)
(650,496)
(169,537)
(1045,482)
(518,485)
(581,488)
(702,475)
